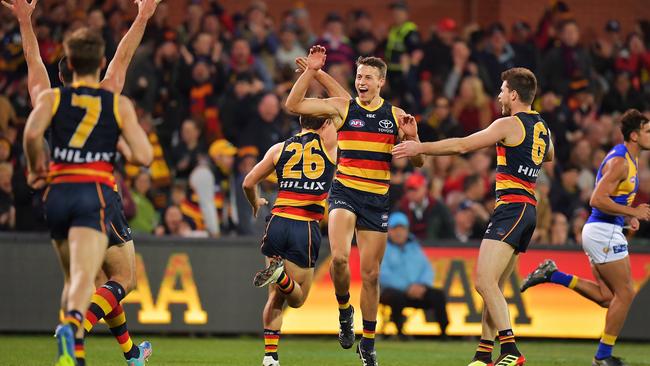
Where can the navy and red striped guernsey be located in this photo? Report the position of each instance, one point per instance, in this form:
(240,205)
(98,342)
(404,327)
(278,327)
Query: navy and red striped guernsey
(85,128)
(305,173)
(365,141)
(518,165)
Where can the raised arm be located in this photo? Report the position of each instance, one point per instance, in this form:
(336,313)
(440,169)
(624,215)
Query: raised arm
(134,135)
(33,142)
(262,170)
(37,77)
(296,101)
(332,87)
(116,71)
(497,131)
(615,171)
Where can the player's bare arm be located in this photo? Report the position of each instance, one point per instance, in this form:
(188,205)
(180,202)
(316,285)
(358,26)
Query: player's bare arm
(408,131)
(37,78)
(550,154)
(37,122)
(615,171)
(260,171)
(334,108)
(134,135)
(116,71)
(506,129)
(332,87)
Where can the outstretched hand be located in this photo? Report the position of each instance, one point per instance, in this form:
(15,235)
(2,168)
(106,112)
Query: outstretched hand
(406,149)
(316,58)
(408,125)
(146,8)
(22,9)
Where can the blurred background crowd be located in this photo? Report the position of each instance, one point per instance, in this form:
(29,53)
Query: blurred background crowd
(210,95)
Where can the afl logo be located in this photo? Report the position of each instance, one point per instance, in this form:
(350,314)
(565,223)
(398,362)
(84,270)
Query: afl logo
(357,123)
(384,123)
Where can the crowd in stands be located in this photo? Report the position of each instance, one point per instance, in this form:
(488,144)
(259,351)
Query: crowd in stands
(210,95)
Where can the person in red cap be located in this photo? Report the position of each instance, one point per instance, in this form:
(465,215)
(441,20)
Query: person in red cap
(429,218)
(437,51)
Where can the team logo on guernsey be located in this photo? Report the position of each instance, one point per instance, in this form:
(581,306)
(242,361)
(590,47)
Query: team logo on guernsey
(385,123)
(357,123)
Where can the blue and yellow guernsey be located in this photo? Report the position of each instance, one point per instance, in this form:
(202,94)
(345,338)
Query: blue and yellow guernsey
(85,128)
(626,190)
(305,173)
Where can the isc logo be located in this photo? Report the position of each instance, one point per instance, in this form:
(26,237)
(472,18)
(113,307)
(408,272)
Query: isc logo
(357,123)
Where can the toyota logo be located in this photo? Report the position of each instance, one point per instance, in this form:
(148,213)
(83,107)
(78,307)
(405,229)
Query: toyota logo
(385,123)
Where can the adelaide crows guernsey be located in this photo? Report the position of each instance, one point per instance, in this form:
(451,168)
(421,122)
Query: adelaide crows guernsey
(518,165)
(305,172)
(365,141)
(626,189)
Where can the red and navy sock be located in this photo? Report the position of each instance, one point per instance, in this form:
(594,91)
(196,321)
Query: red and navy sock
(116,321)
(80,351)
(285,283)
(484,351)
(507,341)
(368,339)
(564,279)
(271,340)
(344,304)
(74,319)
(104,300)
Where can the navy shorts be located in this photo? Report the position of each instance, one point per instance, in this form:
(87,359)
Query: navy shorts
(294,240)
(91,205)
(513,223)
(371,209)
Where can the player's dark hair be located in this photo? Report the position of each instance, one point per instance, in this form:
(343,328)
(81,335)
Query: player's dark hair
(85,50)
(64,70)
(632,120)
(523,81)
(312,123)
(374,62)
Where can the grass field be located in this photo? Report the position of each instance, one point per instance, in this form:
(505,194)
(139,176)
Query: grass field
(101,350)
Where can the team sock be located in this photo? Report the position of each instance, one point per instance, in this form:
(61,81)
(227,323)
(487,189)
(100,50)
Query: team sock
(285,283)
(116,321)
(507,341)
(605,346)
(271,339)
(344,304)
(566,280)
(74,319)
(79,351)
(484,350)
(368,339)
(104,300)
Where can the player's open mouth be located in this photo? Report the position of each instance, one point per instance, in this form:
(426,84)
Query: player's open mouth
(363,89)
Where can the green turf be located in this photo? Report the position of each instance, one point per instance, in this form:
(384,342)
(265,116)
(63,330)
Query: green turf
(40,350)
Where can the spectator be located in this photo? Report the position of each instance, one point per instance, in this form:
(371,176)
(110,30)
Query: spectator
(146,218)
(406,276)
(526,53)
(441,119)
(259,32)
(266,130)
(462,66)
(242,61)
(465,220)
(339,48)
(289,49)
(622,96)
(171,104)
(565,195)
(361,30)
(606,48)
(497,57)
(403,40)
(173,223)
(7,209)
(437,51)
(185,155)
(223,155)
(566,62)
(635,59)
(429,218)
(544,214)
(559,230)
(472,108)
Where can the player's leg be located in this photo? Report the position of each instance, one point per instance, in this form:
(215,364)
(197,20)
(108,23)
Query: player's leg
(547,272)
(87,247)
(341,230)
(272,315)
(494,259)
(483,355)
(64,333)
(372,245)
(63,255)
(617,276)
